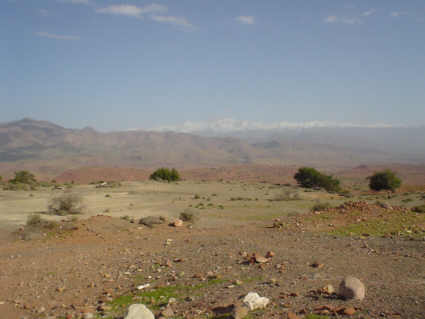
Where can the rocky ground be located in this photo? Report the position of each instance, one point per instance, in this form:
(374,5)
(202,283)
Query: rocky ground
(103,264)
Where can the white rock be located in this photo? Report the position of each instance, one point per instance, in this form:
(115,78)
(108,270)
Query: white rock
(352,288)
(254,301)
(139,311)
(329,289)
(143,286)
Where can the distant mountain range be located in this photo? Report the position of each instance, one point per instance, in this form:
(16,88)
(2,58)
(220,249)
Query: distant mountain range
(50,149)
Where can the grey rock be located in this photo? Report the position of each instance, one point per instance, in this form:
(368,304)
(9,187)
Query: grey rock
(352,288)
(139,311)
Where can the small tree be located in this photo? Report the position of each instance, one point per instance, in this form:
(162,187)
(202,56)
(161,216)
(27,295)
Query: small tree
(165,174)
(384,180)
(309,177)
(23,177)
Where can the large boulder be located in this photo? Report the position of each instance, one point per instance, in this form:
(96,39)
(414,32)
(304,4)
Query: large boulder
(139,311)
(352,288)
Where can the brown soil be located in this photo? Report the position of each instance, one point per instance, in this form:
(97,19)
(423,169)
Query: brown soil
(106,257)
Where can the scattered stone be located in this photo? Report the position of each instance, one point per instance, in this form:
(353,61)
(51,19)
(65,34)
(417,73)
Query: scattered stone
(349,311)
(167,312)
(270,254)
(316,264)
(211,275)
(141,287)
(139,311)
(325,307)
(292,315)
(260,259)
(328,289)
(177,223)
(60,289)
(352,288)
(172,300)
(254,301)
(280,268)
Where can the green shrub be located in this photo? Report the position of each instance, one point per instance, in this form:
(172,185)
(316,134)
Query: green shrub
(23,177)
(66,204)
(384,180)
(309,177)
(165,174)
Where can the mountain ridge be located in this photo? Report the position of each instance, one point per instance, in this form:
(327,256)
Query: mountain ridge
(51,148)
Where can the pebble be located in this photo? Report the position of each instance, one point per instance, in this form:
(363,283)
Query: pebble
(292,315)
(349,311)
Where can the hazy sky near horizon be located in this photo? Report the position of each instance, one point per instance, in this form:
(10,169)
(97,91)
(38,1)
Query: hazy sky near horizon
(117,65)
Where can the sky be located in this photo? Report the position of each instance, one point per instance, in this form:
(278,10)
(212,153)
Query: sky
(117,65)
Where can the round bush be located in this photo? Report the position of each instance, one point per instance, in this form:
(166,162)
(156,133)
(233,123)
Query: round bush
(165,174)
(309,177)
(384,180)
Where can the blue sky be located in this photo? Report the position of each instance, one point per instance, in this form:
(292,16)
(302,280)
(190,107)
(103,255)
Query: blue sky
(117,65)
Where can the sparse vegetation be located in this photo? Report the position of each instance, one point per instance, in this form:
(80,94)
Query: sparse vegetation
(188,216)
(240,198)
(36,224)
(309,177)
(286,196)
(419,209)
(384,180)
(66,204)
(320,207)
(165,174)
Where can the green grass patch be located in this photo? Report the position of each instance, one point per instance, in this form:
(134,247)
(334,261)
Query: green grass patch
(157,297)
(398,223)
